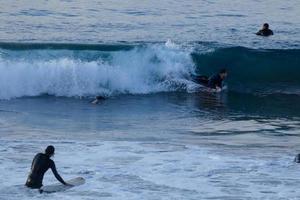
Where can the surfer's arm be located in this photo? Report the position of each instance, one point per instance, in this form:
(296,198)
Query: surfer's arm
(218,89)
(57,176)
(259,33)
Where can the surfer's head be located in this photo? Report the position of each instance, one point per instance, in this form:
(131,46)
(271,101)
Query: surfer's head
(223,73)
(50,150)
(266,26)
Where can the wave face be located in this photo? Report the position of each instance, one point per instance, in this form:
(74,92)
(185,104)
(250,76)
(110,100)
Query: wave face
(264,71)
(86,70)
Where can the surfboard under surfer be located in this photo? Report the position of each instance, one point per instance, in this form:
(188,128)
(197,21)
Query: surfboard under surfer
(40,164)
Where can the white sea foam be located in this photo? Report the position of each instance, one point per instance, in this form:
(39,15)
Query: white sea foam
(153,170)
(138,71)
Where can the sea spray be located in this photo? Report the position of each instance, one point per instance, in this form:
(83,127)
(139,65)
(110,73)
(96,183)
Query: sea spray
(141,70)
(84,70)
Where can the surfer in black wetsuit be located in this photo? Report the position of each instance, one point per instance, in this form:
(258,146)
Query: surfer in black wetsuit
(40,164)
(98,99)
(216,81)
(265,31)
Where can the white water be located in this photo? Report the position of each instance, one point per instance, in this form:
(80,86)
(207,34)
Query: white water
(139,71)
(154,170)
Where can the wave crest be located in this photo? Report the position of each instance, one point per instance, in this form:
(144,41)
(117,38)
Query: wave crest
(140,70)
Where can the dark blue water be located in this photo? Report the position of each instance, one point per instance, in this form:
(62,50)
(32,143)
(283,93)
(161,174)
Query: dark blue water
(94,21)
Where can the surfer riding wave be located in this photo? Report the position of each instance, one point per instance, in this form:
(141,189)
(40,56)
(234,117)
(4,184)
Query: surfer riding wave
(213,82)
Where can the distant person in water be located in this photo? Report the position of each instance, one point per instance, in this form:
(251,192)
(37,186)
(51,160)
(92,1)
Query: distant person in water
(40,164)
(98,99)
(265,31)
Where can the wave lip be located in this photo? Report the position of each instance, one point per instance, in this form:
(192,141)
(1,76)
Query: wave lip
(66,46)
(140,70)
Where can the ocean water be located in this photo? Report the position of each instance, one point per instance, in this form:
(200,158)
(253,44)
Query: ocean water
(158,135)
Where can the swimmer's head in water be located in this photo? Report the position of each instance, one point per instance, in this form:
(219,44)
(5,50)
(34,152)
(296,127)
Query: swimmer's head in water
(50,150)
(266,26)
(223,73)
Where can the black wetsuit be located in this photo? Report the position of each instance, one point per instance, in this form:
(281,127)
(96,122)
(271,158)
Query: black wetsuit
(265,32)
(215,81)
(40,164)
(297,159)
(200,79)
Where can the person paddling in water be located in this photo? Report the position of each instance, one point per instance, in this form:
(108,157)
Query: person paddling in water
(40,164)
(265,31)
(98,99)
(214,82)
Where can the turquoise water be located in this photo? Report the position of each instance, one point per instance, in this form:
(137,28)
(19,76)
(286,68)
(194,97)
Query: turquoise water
(158,135)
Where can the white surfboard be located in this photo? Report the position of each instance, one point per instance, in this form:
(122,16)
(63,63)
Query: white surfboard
(58,187)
